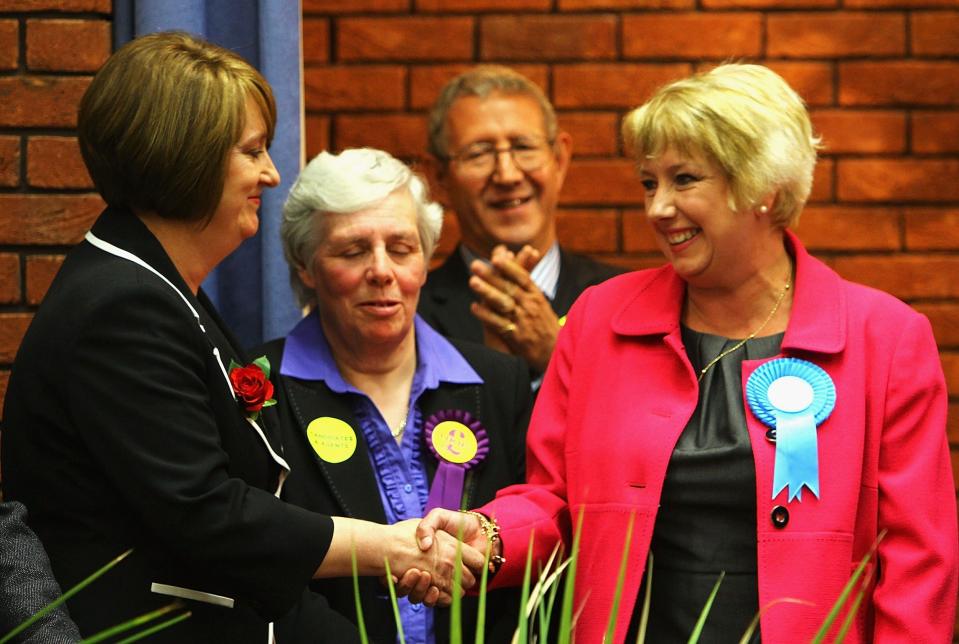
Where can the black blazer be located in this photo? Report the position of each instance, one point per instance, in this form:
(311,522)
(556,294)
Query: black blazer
(121,431)
(502,404)
(445,299)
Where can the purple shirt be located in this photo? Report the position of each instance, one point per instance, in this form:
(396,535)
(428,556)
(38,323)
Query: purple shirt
(399,468)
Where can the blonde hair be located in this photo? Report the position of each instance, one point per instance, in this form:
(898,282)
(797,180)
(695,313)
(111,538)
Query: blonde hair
(744,117)
(158,120)
(348,182)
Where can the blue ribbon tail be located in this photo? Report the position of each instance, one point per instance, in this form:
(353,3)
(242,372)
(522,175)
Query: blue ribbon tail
(797,455)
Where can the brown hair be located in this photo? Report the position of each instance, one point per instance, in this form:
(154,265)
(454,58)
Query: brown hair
(157,123)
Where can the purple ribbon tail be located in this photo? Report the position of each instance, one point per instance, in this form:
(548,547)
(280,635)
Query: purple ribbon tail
(447,488)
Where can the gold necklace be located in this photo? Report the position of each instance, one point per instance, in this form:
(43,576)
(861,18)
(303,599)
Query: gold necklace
(399,430)
(739,345)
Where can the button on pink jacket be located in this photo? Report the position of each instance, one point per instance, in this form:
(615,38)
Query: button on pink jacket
(619,391)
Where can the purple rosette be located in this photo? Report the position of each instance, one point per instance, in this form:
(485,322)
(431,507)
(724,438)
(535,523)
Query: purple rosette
(447,488)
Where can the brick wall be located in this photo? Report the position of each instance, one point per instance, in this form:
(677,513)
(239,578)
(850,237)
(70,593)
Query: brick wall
(881,78)
(48,52)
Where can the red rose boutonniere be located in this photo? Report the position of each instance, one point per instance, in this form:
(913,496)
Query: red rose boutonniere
(252,386)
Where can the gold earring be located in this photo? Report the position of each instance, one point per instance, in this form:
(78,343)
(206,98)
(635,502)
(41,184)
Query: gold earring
(763,209)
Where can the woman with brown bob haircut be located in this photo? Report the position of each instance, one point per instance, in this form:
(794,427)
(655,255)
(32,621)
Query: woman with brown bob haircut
(132,418)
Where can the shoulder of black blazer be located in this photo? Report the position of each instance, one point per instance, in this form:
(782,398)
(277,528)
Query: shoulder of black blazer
(446,296)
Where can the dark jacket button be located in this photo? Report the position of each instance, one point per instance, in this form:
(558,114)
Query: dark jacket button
(771,435)
(779,516)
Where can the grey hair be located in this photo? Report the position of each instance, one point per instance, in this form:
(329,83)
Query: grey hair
(348,182)
(482,81)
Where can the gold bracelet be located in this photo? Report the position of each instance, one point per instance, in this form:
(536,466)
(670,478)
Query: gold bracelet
(490,528)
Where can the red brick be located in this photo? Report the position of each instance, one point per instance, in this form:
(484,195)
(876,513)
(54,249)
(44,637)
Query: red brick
(935,33)
(637,233)
(380,87)
(9,44)
(594,133)
(317,134)
(549,38)
(402,135)
(950,367)
(897,4)
(899,83)
(635,262)
(585,5)
(945,323)
(427,81)
(849,228)
(316,40)
(407,38)
(13,326)
(768,4)
(98,6)
(952,425)
(41,269)
(67,45)
(822,181)
(905,276)
(9,278)
(9,161)
(46,219)
(616,86)
(55,162)
(40,101)
(813,81)
(458,6)
(692,35)
(935,131)
(898,180)
(861,131)
(932,229)
(588,231)
(835,34)
(601,182)
(449,237)
(355,6)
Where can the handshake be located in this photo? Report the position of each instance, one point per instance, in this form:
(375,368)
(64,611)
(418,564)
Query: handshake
(421,553)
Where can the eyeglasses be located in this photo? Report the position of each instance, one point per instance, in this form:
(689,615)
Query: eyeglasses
(480,158)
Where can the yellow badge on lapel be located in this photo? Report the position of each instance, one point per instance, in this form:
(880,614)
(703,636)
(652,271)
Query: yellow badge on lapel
(454,441)
(332,439)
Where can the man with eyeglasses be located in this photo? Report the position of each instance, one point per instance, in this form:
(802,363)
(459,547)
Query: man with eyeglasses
(500,164)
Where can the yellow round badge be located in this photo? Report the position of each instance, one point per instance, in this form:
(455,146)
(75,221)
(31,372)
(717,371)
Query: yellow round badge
(454,442)
(332,439)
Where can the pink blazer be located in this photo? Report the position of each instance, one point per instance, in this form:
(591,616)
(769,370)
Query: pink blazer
(619,391)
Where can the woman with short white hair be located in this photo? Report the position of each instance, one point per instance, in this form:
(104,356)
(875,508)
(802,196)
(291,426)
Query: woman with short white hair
(382,417)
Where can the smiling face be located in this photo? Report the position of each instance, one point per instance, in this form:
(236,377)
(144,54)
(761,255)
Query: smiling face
(505,206)
(367,273)
(250,170)
(688,206)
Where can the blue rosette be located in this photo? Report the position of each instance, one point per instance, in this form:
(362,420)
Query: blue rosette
(793,396)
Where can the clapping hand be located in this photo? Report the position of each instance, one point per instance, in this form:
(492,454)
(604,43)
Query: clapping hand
(517,318)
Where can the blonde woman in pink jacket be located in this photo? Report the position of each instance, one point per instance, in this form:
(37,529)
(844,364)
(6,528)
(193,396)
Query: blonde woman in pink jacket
(746,408)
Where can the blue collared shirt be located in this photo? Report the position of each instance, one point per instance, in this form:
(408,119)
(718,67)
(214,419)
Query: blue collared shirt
(399,468)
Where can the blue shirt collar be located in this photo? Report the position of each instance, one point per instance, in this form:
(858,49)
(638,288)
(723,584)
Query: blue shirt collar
(307,355)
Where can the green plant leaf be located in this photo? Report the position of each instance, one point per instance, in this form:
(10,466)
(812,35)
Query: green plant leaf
(456,606)
(481,603)
(269,403)
(264,364)
(233,365)
(851,613)
(396,608)
(139,620)
(522,629)
(844,595)
(64,597)
(566,608)
(644,616)
(755,622)
(156,628)
(360,622)
(701,622)
(620,578)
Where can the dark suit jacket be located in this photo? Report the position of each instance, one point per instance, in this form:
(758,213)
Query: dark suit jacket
(27,584)
(502,404)
(446,297)
(121,431)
